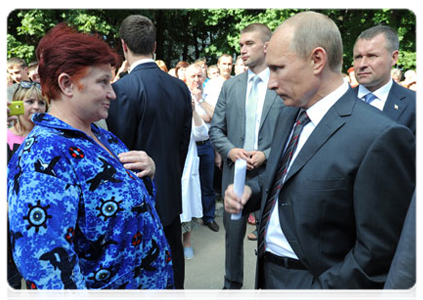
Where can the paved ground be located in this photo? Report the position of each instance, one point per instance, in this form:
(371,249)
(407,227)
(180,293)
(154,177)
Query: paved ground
(204,273)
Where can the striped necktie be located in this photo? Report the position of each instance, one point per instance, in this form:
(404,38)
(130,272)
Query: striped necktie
(301,121)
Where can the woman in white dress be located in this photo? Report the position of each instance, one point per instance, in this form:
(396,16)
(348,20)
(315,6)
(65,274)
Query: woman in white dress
(192,209)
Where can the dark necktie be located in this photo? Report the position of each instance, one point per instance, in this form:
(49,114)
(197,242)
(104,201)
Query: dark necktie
(301,121)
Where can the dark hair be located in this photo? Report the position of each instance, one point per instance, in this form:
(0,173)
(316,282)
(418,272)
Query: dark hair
(391,36)
(139,34)
(64,50)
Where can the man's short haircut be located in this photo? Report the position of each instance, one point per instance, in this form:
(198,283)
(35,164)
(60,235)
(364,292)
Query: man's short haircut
(16,61)
(222,56)
(312,30)
(32,66)
(201,61)
(139,34)
(193,66)
(265,32)
(391,36)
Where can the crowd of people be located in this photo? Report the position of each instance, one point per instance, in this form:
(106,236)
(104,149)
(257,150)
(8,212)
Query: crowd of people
(112,165)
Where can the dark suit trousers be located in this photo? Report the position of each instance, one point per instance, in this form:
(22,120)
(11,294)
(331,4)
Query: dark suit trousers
(278,277)
(234,250)
(173,234)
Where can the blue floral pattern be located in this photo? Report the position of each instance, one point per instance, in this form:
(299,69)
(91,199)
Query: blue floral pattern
(78,218)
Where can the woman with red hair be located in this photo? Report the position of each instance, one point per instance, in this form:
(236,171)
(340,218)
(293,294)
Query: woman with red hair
(81,206)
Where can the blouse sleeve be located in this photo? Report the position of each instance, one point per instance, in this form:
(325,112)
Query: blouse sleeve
(43,211)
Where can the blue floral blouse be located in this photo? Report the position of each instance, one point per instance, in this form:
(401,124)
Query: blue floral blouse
(78,218)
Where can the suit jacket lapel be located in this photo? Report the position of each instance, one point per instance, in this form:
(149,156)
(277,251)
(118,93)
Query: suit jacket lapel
(330,123)
(394,105)
(268,102)
(240,98)
(282,133)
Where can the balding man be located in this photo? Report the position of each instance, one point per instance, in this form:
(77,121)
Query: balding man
(340,175)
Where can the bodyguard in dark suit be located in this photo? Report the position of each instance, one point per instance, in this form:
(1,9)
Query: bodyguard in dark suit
(340,175)
(152,112)
(375,53)
(239,130)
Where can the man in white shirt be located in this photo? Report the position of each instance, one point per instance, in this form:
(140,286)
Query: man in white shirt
(340,175)
(242,128)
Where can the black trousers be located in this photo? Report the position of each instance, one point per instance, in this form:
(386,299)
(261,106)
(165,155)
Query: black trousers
(173,234)
(279,277)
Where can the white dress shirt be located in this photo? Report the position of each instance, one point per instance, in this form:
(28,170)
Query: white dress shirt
(261,95)
(381,94)
(276,241)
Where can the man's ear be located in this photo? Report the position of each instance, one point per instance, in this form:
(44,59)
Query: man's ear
(266,44)
(65,84)
(394,57)
(124,46)
(319,59)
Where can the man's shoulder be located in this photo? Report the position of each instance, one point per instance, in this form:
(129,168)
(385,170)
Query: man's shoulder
(240,79)
(143,77)
(11,90)
(402,91)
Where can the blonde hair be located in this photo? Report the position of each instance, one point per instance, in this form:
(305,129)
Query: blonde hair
(162,65)
(22,93)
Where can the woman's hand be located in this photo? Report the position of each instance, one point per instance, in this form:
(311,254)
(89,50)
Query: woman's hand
(139,161)
(10,119)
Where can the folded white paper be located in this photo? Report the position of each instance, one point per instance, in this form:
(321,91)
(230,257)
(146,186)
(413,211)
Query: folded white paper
(239,182)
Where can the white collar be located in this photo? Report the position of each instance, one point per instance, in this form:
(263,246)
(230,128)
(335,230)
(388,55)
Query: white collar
(140,62)
(264,75)
(318,110)
(381,93)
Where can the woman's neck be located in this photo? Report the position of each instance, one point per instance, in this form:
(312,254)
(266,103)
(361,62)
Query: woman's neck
(22,129)
(71,119)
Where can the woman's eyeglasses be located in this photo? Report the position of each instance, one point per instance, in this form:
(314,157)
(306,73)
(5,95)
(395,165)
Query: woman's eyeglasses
(29,84)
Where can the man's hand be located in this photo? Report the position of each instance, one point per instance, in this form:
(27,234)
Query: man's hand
(236,153)
(197,93)
(256,159)
(218,160)
(233,204)
(140,161)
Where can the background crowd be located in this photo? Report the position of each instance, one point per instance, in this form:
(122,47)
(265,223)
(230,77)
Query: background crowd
(192,127)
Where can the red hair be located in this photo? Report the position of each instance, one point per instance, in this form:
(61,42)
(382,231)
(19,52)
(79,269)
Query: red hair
(64,50)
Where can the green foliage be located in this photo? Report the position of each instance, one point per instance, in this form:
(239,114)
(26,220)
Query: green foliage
(407,60)
(17,49)
(188,34)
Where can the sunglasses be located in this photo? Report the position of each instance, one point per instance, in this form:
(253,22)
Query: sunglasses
(29,84)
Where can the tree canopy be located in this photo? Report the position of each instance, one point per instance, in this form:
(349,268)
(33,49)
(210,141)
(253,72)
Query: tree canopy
(189,34)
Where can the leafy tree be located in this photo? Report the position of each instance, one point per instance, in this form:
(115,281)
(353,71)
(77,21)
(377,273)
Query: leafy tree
(188,34)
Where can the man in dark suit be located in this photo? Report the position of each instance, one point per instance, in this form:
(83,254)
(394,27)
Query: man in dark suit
(152,112)
(242,127)
(333,203)
(375,53)
(402,273)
